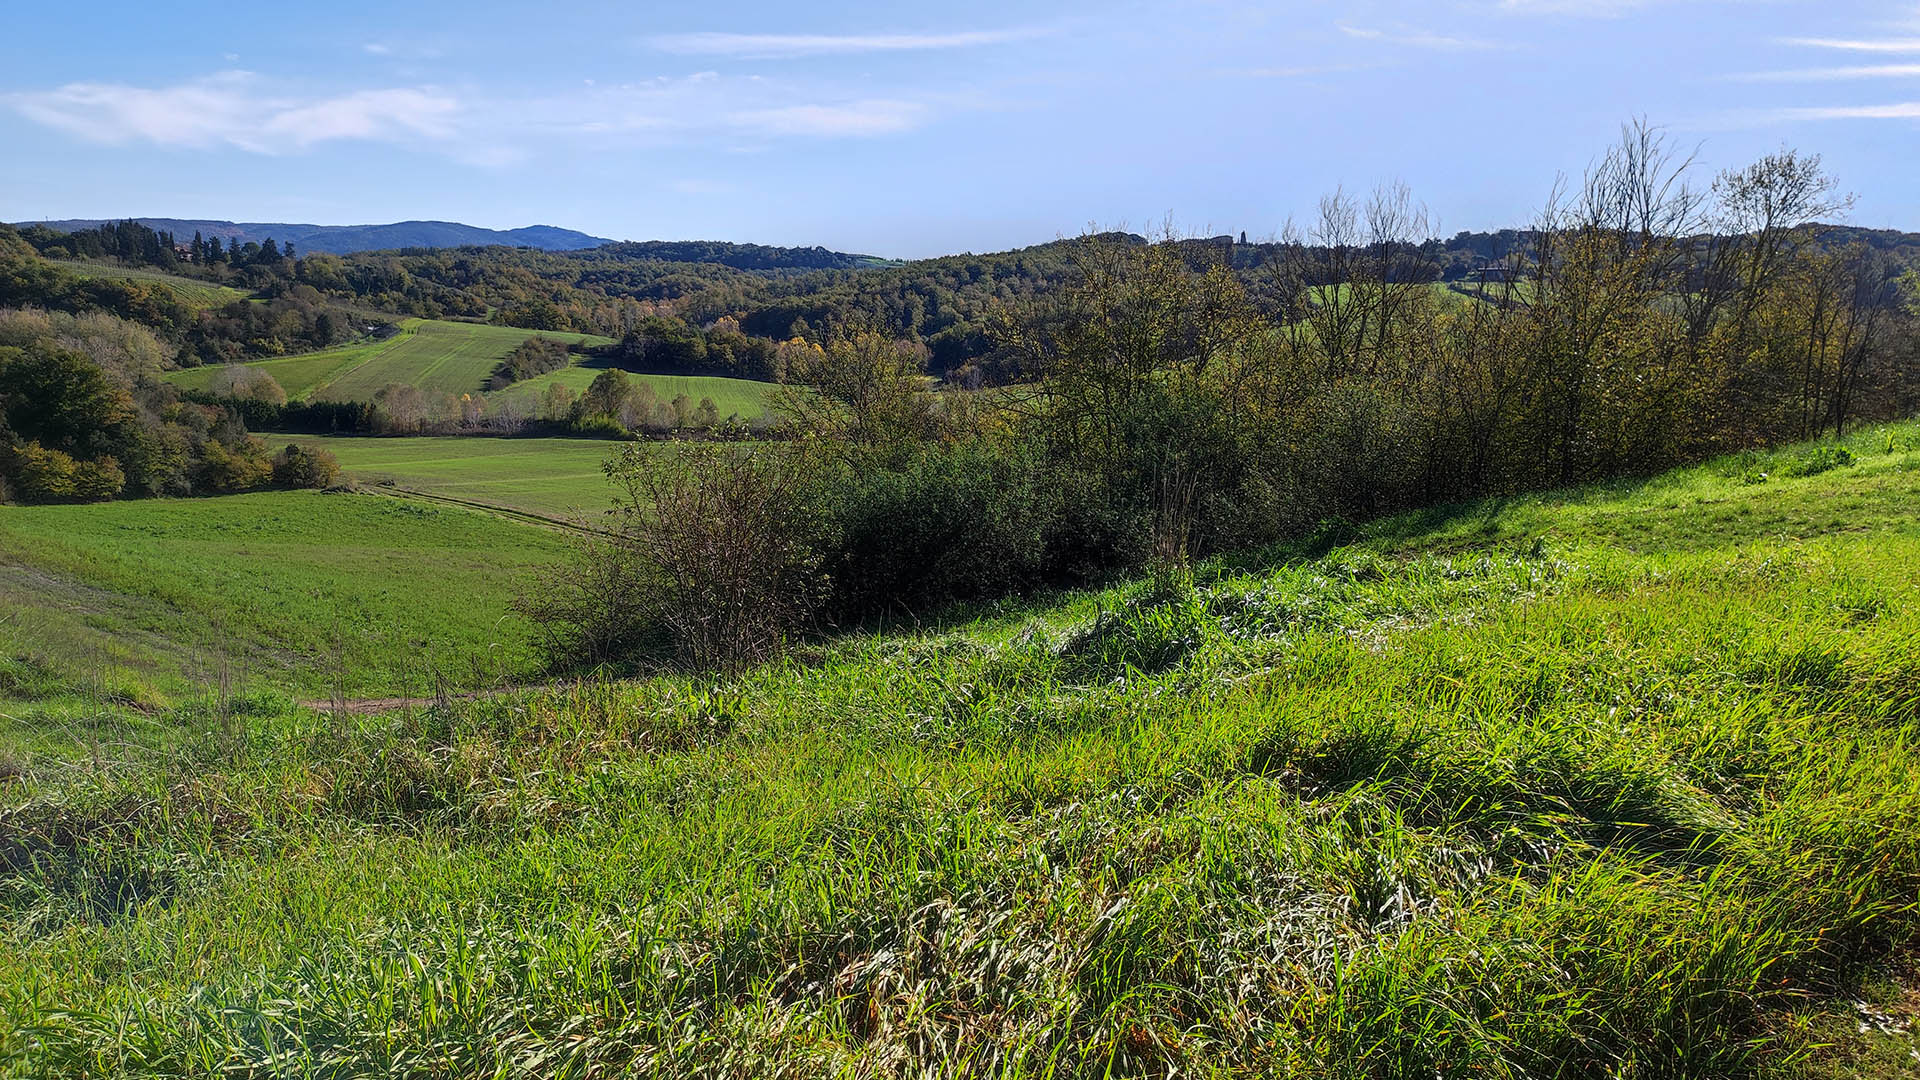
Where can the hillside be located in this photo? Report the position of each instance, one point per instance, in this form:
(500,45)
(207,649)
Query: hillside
(346,239)
(442,357)
(1610,781)
(191,292)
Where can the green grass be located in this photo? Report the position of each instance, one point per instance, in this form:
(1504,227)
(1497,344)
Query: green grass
(457,358)
(160,593)
(1617,782)
(192,292)
(298,375)
(743,397)
(549,477)
(436,355)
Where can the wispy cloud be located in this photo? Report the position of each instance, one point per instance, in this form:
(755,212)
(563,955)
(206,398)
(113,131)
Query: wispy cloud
(1878,45)
(1601,8)
(1418,39)
(1304,72)
(231,108)
(1834,74)
(857,119)
(680,109)
(241,110)
(1903,110)
(771,46)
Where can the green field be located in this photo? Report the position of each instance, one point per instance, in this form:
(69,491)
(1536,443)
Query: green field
(1617,782)
(742,397)
(444,357)
(155,591)
(299,375)
(550,477)
(192,291)
(457,358)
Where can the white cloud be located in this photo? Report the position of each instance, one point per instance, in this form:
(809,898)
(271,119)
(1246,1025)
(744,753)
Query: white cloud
(1883,45)
(242,110)
(769,46)
(377,48)
(1418,39)
(1601,8)
(1876,71)
(232,108)
(1904,110)
(389,115)
(853,119)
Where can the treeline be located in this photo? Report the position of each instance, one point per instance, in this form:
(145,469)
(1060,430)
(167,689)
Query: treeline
(134,244)
(291,318)
(1166,414)
(740,301)
(83,417)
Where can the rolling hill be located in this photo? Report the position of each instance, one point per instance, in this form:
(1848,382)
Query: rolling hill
(456,358)
(345,239)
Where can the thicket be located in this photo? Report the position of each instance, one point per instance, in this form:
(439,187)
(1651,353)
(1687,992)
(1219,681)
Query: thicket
(1170,415)
(531,358)
(83,417)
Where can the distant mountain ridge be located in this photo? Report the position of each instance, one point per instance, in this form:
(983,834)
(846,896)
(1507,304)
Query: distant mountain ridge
(346,239)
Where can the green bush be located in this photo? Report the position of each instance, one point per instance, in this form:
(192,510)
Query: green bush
(300,467)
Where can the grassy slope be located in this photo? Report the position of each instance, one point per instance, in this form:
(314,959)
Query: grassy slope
(153,593)
(444,357)
(1614,782)
(550,477)
(298,375)
(456,358)
(744,397)
(192,291)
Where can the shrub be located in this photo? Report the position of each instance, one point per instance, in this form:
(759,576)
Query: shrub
(44,475)
(248,384)
(241,466)
(533,357)
(100,479)
(715,562)
(302,467)
(950,523)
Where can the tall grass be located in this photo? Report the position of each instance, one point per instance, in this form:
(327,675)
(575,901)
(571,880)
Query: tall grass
(1511,791)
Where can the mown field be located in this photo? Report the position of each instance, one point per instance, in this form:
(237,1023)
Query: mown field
(1614,782)
(191,291)
(549,477)
(444,357)
(159,600)
(744,398)
(457,358)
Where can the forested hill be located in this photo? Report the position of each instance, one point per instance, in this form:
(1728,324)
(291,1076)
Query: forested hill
(742,256)
(347,239)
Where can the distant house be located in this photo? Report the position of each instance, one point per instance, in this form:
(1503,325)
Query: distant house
(1491,272)
(183,252)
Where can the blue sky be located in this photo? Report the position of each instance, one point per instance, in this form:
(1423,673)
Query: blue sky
(909,130)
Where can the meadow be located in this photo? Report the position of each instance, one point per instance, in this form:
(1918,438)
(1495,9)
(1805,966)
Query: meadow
(191,291)
(457,358)
(558,478)
(444,357)
(155,601)
(733,397)
(1615,781)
